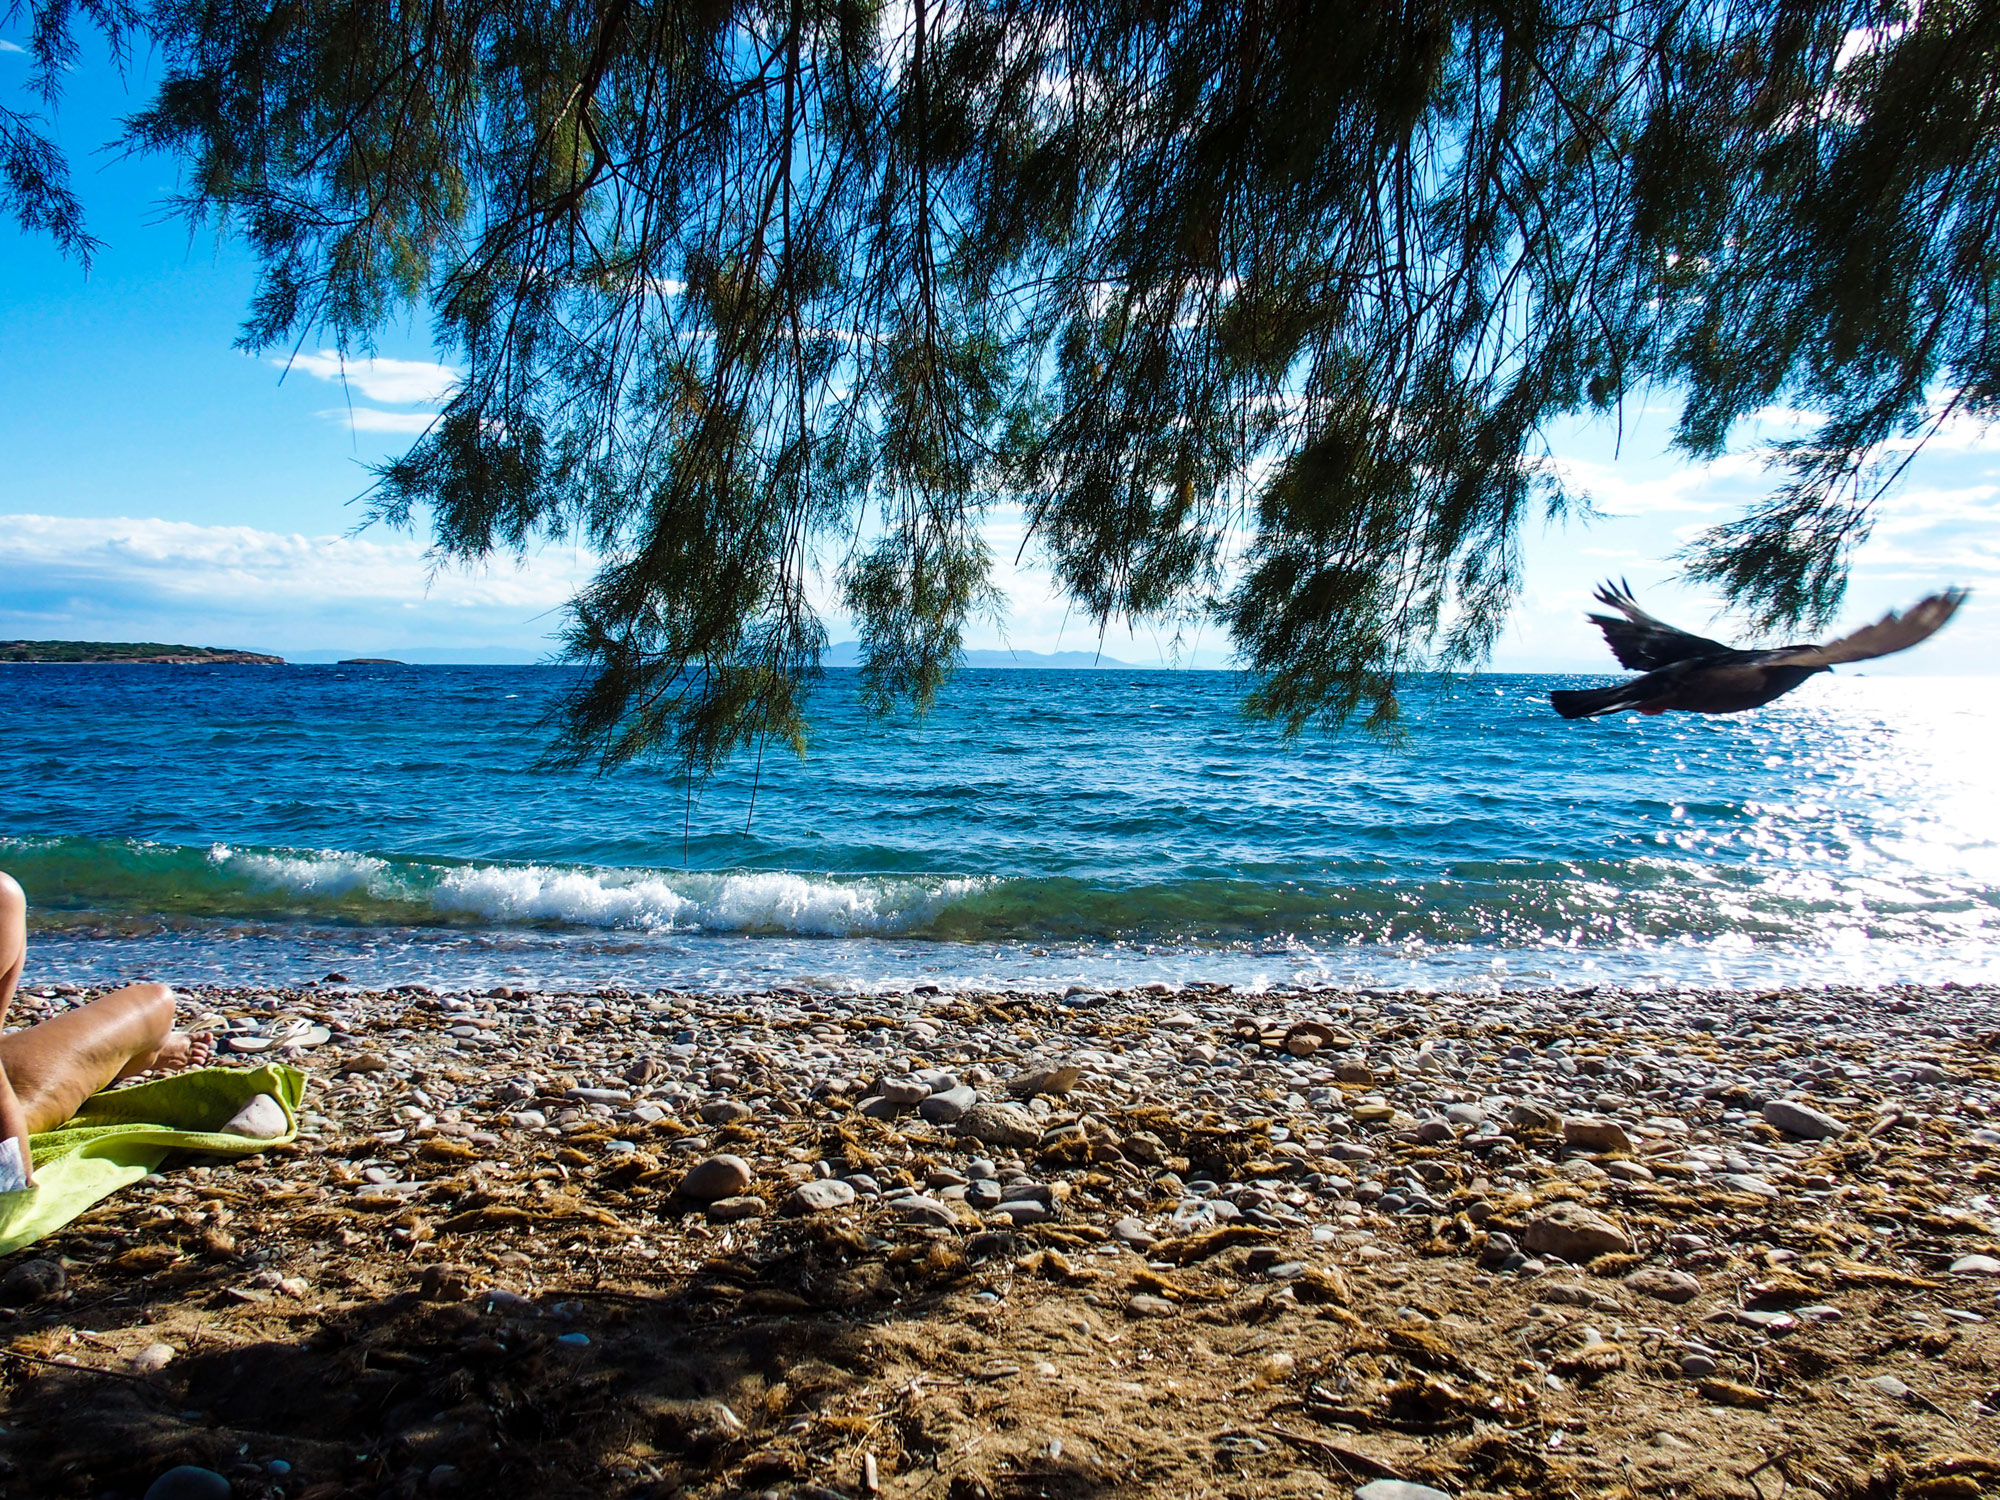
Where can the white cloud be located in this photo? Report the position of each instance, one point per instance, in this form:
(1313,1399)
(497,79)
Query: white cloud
(372,419)
(139,578)
(399,382)
(7,46)
(1633,490)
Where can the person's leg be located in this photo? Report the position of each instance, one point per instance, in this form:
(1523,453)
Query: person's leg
(13,938)
(58,1064)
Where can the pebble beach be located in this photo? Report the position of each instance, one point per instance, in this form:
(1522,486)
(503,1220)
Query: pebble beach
(973,1245)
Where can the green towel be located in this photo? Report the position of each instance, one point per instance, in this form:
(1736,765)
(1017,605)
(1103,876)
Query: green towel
(120,1136)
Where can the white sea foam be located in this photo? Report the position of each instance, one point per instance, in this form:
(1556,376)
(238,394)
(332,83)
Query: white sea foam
(328,873)
(742,901)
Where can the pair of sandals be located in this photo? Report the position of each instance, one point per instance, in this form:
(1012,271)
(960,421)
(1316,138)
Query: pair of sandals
(294,1034)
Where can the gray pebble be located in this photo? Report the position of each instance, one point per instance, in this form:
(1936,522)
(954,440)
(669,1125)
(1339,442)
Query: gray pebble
(819,1197)
(1795,1118)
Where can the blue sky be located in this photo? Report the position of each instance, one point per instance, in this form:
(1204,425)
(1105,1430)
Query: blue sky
(157,484)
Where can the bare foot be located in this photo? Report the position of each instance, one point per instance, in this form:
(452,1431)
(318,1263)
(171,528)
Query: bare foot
(184,1049)
(181,1050)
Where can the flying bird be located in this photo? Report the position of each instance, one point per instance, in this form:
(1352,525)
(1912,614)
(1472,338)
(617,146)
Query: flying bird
(1696,675)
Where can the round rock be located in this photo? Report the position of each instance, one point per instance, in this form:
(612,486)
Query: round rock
(1398,1489)
(1667,1286)
(1975,1265)
(1589,1133)
(715,1178)
(1575,1233)
(948,1106)
(903,1090)
(820,1197)
(188,1482)
(31,1281)
(1802,1120)
(1000,1125)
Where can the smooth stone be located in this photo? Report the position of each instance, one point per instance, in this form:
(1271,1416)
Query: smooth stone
(731,1210)
(262,1119)
(1627,1171)
(1890,1386)
(1134,1233)
(1666,1286)
(821,1196)
(1575,1233)
(984,1192)
(877,1108)
(152,1357)
(1743,1182)
(1146,1305)
(1589,1133)
(1044,1081)
(1698,1366)
(1795,1118)
(1975,1265)
(923,1210)
(998,1124)
(903,1090)
(31,1281)
(1025,1211)
(1465,1114)
(1398,1489)
(716,1177)
(189,1483)
(724,1111)
(599,1096)
(948,1106)
(1436,1131)
(1534,1117)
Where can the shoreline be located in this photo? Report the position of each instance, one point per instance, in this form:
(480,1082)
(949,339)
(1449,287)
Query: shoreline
(1259,1244)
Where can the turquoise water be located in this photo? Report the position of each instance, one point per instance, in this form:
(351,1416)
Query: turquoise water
(271,825)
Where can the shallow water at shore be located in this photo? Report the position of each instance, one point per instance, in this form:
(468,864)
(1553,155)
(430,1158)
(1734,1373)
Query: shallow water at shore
(1043,828)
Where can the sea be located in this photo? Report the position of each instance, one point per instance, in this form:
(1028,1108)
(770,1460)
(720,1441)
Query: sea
(1039,830)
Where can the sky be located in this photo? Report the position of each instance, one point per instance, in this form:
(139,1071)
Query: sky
(158,484)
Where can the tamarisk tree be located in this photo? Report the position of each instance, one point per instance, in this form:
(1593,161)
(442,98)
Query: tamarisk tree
(1257,310)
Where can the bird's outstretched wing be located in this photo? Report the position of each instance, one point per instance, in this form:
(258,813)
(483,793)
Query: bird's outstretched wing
(1640,642)
(1890,634)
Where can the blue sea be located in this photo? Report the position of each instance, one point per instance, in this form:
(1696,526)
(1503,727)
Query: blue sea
(1040,829)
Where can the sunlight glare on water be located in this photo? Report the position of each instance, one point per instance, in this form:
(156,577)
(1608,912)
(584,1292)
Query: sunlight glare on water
(1040,828)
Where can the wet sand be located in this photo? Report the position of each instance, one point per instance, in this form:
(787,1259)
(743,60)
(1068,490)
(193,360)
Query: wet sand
(983,1245)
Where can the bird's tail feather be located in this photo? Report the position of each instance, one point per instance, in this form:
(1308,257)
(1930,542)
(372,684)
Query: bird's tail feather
(1588,703)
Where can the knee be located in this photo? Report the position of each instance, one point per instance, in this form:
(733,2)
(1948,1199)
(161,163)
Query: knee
(155,1002)
(13,900)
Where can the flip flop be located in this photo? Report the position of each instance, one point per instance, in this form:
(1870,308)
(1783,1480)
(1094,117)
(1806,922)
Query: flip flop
(308,1035)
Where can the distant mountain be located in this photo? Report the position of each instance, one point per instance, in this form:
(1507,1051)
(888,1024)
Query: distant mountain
(848,654)
(130,653)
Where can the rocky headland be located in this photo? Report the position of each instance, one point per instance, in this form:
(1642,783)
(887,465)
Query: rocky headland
(130,653)
(994,1247)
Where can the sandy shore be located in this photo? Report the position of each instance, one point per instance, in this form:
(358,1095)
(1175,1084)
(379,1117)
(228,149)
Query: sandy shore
(972,1246)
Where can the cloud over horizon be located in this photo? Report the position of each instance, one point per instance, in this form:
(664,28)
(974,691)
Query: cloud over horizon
(144,578)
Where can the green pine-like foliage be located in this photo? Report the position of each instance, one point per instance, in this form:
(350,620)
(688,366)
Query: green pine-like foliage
(1258,309)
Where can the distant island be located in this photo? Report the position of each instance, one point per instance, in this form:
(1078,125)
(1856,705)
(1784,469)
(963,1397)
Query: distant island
(130,653)
(369,661)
